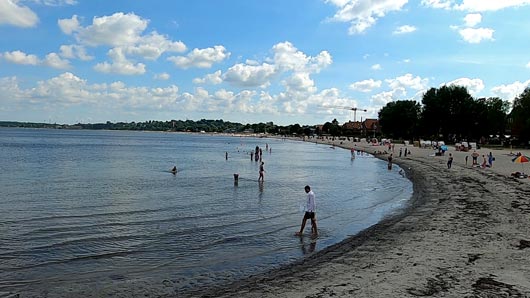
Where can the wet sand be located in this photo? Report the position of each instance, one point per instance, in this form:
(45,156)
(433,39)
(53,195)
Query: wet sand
(466,233)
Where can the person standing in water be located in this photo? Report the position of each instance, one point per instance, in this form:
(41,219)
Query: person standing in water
(310,210)
(261,172)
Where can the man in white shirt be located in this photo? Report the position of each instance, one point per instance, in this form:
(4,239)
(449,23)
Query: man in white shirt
(309,212)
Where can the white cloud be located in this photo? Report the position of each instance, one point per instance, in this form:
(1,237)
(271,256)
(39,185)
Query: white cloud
(376,67)
(55,61)
(118,29)
(69,26)
(201,58)
(366,85)
(528,65)
(287,57)
(52,59)
(19,57)
(74,51)
(286,61)
(162,76)
(511,91)
(492,5)
(212,78)
(405,29)
(152,46)
(381,99)
(408,81)
(246,101)
(362,14)
(250,75)
(120,64)
(122,30)
(476,35)
(300,82)
(68,89)
(474,86)
(443,4)
(11,13)
(472,19)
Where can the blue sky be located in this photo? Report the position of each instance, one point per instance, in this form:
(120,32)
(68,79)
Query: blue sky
(249,61)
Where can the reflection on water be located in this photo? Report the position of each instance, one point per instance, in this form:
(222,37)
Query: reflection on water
(96,208)
(308,246)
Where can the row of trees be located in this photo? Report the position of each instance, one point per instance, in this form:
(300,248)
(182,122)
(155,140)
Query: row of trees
(209,126)
(450,113)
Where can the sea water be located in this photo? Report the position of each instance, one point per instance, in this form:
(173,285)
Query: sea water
(81,209)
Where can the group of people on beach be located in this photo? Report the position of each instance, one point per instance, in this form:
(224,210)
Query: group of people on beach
(487,161)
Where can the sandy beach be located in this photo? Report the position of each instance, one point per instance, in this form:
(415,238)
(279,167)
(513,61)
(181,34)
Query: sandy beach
(466,233)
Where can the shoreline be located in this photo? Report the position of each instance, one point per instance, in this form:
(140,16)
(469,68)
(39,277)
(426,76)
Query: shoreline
(463,234)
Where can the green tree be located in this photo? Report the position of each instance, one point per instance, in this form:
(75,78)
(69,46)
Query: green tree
(332,128)
(448,111)
(520,116)
(295,129)
(491,116)
(399,119)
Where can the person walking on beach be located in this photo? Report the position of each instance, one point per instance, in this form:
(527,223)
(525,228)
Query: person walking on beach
(310,210)
(261,172)
(390,161)
(450,161)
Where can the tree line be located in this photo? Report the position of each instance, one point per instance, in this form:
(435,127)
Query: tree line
(203,125)
(451,114)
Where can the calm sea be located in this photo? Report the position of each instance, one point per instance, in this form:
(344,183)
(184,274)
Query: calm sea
(84,209)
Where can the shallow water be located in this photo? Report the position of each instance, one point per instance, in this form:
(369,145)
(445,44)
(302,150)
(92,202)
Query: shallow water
(95,207)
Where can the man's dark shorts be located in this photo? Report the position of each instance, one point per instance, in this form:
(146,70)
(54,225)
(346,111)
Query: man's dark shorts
(309,215)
